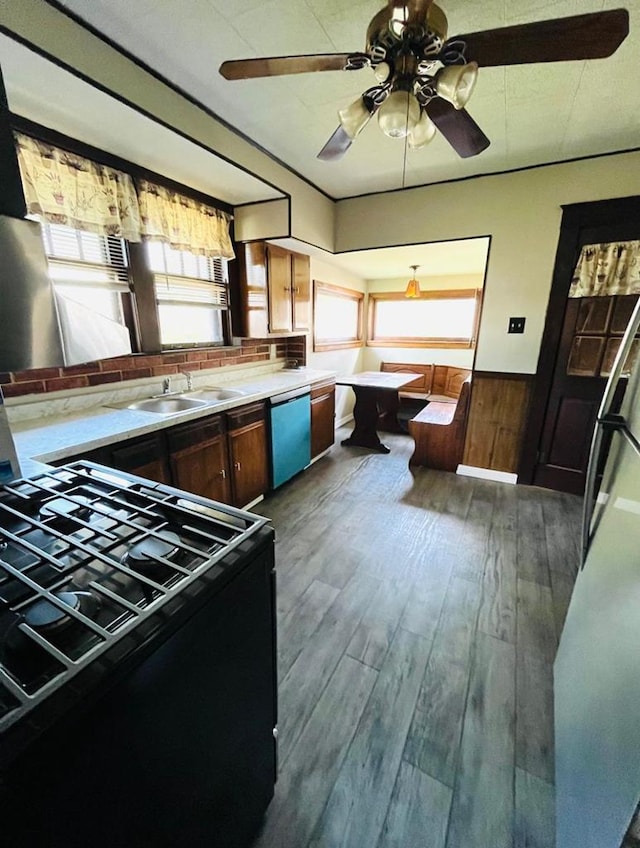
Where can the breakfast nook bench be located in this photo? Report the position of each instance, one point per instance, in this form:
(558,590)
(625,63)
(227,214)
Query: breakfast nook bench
(438,432)
(433,384)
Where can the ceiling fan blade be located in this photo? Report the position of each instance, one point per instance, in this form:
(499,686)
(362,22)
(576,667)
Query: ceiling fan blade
(277,65)
(458,127)
(591,36)
(336,147)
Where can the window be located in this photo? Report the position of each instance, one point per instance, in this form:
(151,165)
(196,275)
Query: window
(90,276)
(435,319)
(192,295)
(337,317)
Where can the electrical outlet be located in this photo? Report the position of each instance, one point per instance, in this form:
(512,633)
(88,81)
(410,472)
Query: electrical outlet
(516,325)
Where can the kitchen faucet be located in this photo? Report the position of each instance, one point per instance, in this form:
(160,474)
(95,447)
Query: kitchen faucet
(166,386)
(189,377)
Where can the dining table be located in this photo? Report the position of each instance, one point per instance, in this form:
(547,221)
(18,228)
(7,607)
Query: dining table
(367,387)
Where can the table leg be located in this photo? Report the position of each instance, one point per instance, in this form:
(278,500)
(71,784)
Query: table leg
(365,414)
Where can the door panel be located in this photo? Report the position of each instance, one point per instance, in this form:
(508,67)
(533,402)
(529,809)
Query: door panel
(591,335)
(279,276)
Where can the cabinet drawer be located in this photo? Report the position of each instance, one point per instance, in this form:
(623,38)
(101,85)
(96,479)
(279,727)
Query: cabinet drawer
(136,454)
(249,414)
(188,435)
(320,389)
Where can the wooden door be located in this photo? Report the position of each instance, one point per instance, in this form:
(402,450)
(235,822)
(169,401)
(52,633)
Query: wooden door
(301,276)
(279,282)
(591,336)
(323,405)
(248,452)
(198,459)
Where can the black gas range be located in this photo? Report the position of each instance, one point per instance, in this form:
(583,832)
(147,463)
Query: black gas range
(137,661)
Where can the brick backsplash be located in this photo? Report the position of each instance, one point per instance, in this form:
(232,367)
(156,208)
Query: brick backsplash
(140,365)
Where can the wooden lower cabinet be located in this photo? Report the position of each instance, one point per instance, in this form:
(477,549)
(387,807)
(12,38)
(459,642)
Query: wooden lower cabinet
(323,414)
(199,459)
(248,451)
(145,457)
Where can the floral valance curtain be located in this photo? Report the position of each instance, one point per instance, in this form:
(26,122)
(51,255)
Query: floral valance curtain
(183,223)
(607,269)
(67,189)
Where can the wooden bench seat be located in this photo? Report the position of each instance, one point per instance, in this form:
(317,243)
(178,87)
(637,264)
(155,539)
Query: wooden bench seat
(433,384)
(438,432)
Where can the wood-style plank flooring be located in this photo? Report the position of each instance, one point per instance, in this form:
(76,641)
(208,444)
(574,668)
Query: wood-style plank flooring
(418,619)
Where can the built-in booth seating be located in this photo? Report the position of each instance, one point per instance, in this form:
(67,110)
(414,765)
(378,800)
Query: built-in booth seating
(433,408)
(433,384)
(438,432)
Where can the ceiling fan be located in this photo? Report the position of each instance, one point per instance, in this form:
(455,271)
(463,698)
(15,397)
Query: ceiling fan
(424,79)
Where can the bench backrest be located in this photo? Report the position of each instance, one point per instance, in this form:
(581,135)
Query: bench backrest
(462,406)
(444,380)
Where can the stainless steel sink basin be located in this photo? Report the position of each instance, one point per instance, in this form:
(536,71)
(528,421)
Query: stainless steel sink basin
(167,405)
(211,394)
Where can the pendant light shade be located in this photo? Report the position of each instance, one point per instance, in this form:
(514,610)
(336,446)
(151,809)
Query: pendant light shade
(399,114)
(354,118)
(413,286)
(455,83)
(422,133)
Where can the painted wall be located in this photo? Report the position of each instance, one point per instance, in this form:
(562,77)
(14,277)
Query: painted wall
(346,361)
(373,356)
(520,211)
(59,36)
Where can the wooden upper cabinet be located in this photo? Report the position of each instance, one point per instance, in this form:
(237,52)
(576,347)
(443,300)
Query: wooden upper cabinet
(275,288)
(301,275)
(279,283)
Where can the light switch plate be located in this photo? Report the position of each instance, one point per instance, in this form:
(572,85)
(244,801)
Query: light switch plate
(516,325)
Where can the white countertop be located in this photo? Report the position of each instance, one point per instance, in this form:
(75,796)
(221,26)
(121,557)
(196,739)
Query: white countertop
(60,437)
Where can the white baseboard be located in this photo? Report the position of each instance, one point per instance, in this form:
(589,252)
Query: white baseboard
(344,420)
(487,474)
(320,455)
(254,502)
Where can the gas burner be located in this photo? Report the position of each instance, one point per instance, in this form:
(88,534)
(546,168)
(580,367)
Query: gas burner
(43,615)
(144,554)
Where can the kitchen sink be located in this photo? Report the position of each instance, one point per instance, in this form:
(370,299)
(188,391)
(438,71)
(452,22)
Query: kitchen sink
(167,405)
(211,394)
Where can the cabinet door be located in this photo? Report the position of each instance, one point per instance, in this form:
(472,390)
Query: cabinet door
(279,280)
(253,290)
(198,458)
(301,275)
(249,456)
(145,457)
(322,421)
(203,469)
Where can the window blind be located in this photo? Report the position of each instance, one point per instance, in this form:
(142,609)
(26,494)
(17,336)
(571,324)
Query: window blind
(80,258)
(183,277)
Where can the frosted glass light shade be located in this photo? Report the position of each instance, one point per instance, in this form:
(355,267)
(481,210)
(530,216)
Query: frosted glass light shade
(422,133)
(354,118)
(399,114)
(455,83)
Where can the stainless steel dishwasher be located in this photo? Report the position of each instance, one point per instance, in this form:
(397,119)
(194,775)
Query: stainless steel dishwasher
(290,419)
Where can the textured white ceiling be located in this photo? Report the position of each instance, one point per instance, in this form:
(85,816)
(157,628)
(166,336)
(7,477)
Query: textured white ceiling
(533,114)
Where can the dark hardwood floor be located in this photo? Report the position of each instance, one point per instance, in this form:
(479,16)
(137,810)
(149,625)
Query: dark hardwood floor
(418,620)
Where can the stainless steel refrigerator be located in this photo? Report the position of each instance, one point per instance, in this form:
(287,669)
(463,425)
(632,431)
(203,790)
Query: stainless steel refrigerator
(597,668)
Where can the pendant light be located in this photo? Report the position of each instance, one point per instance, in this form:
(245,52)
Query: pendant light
(413,286)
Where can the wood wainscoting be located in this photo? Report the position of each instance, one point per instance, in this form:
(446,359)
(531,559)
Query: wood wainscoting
(497,419)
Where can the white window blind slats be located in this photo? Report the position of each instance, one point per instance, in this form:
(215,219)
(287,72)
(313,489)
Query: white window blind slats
(79,258)
(171,289)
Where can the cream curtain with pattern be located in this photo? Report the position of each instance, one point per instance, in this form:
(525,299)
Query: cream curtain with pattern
(183,223)
(67,189)
(607,269)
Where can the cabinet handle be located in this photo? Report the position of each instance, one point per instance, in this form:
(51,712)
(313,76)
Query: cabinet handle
(223,474)
(297,290)
(236,465)
(287,288)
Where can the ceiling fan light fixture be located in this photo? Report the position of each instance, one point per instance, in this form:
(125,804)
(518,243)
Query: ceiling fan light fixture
(422,133)
(413,286)
(354,118)
(455,83)
(399,114)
